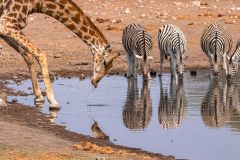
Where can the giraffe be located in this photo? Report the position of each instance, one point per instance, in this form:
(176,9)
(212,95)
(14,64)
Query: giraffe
(13,18)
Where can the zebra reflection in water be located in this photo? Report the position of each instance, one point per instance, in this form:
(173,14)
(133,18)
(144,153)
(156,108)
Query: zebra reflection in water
(218,103)
(172,105)
(137,111)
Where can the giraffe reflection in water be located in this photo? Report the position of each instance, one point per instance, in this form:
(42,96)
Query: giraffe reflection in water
(137,110)
(172,105)
(218,103)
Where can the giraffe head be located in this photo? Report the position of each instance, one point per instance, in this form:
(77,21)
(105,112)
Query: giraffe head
(102,63)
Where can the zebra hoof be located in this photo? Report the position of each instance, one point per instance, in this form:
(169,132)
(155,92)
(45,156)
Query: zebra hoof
(193,72)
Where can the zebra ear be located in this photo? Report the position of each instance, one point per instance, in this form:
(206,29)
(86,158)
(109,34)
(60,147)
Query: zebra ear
(150,58)
(139,57)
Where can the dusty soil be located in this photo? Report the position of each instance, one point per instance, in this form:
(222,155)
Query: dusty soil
(27,133)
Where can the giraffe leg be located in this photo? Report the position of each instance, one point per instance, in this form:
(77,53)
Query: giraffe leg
(16,37)
(31,66)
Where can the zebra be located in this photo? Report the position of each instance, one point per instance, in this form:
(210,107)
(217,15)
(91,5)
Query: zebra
(233,61)
(216,43)
(172,43)
(137,44)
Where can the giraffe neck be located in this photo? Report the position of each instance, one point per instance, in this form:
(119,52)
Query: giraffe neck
(68,13)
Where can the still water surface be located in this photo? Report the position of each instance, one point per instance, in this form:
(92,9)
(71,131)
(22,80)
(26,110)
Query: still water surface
(194,120)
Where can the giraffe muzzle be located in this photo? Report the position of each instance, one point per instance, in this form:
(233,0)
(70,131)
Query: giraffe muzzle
(95,83)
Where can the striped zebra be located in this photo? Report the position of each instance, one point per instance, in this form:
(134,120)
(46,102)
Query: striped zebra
(172,43)
(216,42)
(137,44)
(233,61)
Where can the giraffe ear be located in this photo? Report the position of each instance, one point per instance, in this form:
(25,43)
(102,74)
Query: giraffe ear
(111,57)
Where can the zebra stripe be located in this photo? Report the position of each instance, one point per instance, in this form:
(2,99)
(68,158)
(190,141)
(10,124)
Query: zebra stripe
(216,43)
(234,60)
(137,44)
(172,43)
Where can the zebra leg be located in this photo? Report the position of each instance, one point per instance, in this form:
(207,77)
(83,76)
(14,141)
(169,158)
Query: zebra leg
(161,62)
(173,68)
(210,73)
(129,65)
(225,63)
(135,67)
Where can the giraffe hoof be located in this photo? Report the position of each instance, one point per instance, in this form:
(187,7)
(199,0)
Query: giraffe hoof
(39,99)
(54,107)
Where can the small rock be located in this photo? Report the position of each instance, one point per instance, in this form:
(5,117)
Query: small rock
(229,22)
(15,77)
(74,63)
(1,47)
(3,96)
(57,56)
(14,100)
(191,23)
(203,3)
(102,20)
(84,63)
(111,27)
(143,15)
(193,72)
(153,73)
(3,103)
(116,21)
(82,77)
(51,74)
(219,15)
(31,19)
(127,11)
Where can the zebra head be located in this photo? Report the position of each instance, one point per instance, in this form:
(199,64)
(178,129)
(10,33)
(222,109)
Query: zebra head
(145,60)
(215,64)
(102,63)
(232,67)
(233,61)
(180,64)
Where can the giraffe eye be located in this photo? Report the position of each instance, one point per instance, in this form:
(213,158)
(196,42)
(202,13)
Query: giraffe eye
(105,64)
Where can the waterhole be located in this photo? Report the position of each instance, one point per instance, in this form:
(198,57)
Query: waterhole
(195,119)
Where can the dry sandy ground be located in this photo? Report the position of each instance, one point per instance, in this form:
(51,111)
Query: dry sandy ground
(67,55)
